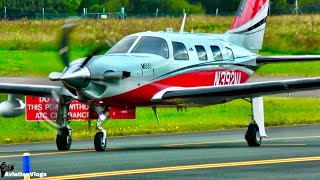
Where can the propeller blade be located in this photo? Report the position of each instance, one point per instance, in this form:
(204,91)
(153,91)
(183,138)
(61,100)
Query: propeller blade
(93,53)
(66,29)
(103,47)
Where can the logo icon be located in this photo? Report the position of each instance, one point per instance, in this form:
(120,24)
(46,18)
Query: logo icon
(5,167)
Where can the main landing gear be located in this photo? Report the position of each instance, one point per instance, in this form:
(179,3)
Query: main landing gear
(64,137)
(256,128)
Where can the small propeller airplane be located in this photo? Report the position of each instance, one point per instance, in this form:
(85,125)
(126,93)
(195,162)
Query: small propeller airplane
(167,69)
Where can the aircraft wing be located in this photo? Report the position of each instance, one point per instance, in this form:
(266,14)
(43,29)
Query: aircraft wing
(209,95)
(31,89)
(280,59)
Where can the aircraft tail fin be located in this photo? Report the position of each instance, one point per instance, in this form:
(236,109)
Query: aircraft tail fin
(247,29)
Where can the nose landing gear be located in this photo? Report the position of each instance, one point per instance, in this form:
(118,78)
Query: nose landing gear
(64,137)
(100,139)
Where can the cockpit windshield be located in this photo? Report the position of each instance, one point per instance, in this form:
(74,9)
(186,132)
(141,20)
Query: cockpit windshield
(152,45)
(123,45)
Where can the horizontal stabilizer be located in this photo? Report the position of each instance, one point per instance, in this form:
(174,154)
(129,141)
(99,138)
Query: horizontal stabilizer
(281,59)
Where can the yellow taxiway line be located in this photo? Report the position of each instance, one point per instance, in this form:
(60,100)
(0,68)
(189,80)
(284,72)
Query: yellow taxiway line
(186,167)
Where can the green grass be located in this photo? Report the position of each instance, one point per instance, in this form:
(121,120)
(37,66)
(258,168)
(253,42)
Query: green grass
(33,63)
(236,114)
(29,47)
(284,34)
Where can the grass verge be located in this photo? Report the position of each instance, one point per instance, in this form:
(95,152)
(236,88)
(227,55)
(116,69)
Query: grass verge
(236,114)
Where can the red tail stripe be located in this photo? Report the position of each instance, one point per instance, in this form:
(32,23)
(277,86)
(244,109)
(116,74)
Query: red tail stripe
(251,9)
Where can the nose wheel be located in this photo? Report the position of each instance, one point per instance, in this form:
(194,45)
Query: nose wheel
(252,136)
(64,139)
(100,141)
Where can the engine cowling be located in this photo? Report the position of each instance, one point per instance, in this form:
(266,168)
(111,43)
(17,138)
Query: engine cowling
(12,107)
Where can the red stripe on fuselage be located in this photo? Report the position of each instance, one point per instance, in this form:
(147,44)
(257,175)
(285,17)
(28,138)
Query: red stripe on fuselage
(142,95)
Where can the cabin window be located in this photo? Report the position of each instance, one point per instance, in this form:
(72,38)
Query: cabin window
(202,54)
(230,54)
(180,51)
(152,45)
(123,45)
(217,55)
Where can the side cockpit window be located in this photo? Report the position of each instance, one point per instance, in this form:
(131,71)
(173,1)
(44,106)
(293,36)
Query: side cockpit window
(217,55)
(123,45)
(202,54)
(152,45)
(180,51)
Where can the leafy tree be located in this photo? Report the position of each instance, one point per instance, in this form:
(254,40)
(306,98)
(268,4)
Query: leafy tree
(150,6)
(92,5)
(71,5)
(115,5)
(223,5)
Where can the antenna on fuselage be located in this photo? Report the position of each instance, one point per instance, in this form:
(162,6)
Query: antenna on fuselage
(183,23)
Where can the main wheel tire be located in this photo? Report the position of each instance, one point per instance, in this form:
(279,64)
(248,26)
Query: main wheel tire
(252,136)
(98,142)
(64,139)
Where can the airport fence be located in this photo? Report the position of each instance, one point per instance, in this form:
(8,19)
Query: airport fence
(9,15)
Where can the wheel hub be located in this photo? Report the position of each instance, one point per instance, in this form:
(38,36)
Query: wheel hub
(258,136)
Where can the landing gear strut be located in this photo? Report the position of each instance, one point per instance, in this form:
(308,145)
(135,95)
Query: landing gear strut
(256,129)
(64,138)
(100,139)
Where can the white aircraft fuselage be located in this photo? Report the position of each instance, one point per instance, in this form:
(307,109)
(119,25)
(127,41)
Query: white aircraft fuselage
(204,60)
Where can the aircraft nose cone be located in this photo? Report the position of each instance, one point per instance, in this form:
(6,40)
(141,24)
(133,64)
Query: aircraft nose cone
(76,77)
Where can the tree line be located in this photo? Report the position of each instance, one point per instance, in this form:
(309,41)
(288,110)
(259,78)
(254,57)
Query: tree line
(147,6)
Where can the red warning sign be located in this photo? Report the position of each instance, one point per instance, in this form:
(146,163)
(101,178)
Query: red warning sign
(43,108)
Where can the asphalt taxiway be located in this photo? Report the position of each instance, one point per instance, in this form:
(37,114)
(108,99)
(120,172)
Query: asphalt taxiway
(291,152)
